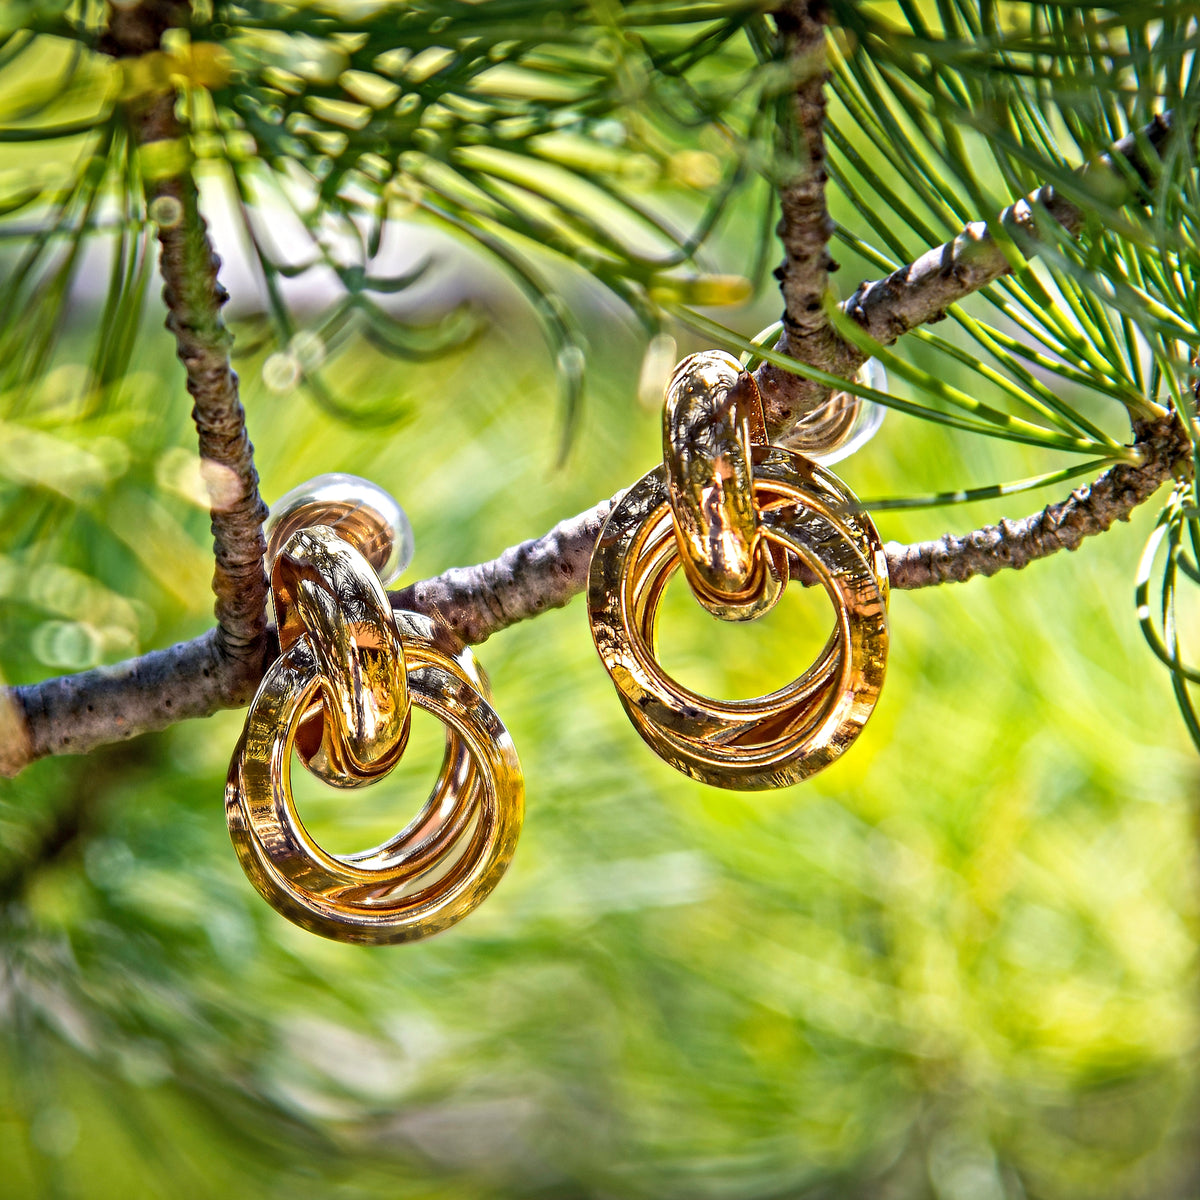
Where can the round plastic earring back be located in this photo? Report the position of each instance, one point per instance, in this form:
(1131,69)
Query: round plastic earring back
(357,510)
(843,424)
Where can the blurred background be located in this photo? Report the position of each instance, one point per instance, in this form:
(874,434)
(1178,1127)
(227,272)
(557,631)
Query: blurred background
(959,964)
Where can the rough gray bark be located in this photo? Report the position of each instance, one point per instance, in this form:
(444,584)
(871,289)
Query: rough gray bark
(525,580)
(805,228)
(922,291)
(1088,510)
(75,713)
(194,297)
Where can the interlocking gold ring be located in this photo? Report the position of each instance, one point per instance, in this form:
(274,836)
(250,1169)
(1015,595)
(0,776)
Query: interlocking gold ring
(712,418)
(319,588)
(452,854)
(781,738)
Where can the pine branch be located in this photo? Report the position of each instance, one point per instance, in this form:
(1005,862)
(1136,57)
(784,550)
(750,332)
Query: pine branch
(1088,510)
(219,670)
(527,579)
(920,292)
(222,668)
(805,228)
(76,713)
(194,297)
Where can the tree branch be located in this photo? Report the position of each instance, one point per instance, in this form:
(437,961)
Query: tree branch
(219,670)
(921,292)
(525,580)
(805,228)
(1087,511)
(222,669)
(76,713)
(194,298)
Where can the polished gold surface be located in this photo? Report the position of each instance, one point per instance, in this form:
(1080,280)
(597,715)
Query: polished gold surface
(784,737)
(320,588)
(340,695)
(712,417)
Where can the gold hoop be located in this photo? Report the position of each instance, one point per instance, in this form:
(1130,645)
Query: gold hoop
(320,589)
(774,740)
(712,420)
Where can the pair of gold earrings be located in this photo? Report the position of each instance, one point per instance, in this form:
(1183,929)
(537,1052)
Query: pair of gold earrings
(733,510)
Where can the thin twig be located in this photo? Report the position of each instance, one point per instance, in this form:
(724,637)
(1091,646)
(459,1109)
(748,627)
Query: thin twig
(194,297)
(525,580)
(805,226)
(922,291)
(75,713)
(1087,511)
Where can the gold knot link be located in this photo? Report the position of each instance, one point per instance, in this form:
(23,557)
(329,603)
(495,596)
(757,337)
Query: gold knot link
(786,736)
(732,510)
(324,590)
(712,421)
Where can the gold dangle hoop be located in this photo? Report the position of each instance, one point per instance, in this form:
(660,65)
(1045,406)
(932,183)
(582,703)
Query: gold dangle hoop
(712,420)
(340,695)
(785,506)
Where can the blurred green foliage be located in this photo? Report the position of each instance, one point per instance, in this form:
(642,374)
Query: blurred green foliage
(959,964)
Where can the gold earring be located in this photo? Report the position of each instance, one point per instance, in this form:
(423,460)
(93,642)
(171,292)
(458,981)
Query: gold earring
(341,694)
(732,510)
